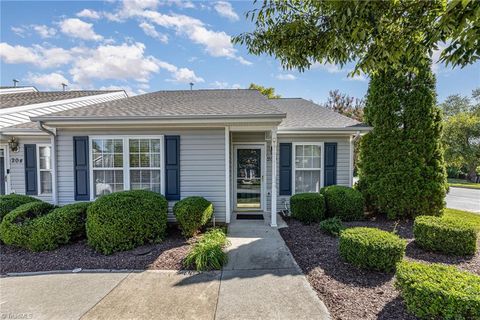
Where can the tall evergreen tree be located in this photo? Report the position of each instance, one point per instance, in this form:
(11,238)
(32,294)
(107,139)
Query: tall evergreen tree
(402,170)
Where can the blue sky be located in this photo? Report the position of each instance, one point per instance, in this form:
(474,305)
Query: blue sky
(151,45)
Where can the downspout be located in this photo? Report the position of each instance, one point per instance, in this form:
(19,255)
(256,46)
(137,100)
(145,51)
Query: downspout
(353,140)
(53,142)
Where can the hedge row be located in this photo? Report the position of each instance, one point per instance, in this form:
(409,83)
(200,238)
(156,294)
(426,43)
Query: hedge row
(343,202)
(454,237)
(12,201)
(437,291)
(308,207)
(371,248)
(192,213)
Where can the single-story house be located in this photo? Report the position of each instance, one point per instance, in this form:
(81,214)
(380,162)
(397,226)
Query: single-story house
(238,149)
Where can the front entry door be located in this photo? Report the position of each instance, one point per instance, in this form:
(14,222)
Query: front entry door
(2,171)
(249,177)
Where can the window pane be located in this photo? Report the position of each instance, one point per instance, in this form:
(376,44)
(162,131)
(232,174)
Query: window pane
(134,160)
(308,150)
(144,145)
(118,160)
(108,145)
(107,181)
(316,162)
(97,145)
(134,145)
(45,182)
(316,151)
(155,145)
(144,160)
(44,157)
(145,179)
(307,181)
(155,160)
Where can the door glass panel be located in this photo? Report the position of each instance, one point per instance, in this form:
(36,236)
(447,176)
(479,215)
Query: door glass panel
(249,178)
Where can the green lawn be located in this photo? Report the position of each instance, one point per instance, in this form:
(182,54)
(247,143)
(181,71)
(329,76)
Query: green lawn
(461,183)
(464,215)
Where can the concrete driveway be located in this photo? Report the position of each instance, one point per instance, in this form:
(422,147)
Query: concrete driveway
(464,199)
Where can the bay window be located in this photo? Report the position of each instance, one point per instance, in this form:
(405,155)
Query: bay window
(126,163)
(308,162)
(44,161)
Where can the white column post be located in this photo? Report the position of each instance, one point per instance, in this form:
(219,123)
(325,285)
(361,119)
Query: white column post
(350,169)
(227,174)
(274,178)
(53,154)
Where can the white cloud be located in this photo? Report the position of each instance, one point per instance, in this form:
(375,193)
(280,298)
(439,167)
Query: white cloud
(286,76)
(44,31)
(77,28)
(51,81)
(37,55)
(329,67)
(130,92)
(357,77)
(225,9)
(216,43)
(152,32)
(126,61)
(90,14)
(224,85)
(185,75)
(19,31)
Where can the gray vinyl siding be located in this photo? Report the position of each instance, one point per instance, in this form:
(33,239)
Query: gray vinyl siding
(343,158)
(17,169)
(202,163)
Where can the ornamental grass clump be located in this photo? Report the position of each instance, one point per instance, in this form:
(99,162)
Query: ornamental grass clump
(454,237)
(332,226)
(435,291)
(371,248)
(207,253)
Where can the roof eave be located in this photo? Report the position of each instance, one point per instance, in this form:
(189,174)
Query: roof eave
(324,130)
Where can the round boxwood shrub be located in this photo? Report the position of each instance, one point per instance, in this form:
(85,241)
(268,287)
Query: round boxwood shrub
(16,227)
(192,213)
(343,202)
(449,236)
(11,201)
(124,220)
(435,291)
(371,248)
(60,226)
(307,207)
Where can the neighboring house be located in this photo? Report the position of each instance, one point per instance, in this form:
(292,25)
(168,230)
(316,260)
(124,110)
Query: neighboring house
(238,149)
(17,105)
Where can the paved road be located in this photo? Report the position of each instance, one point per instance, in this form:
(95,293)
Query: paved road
(464,199)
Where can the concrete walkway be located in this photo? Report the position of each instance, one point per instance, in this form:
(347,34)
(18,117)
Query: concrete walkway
(261,281)
(464,199)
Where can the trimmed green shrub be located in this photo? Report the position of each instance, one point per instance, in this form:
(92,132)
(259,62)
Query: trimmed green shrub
(449,236)
(371,248)
(332,226)
(192,213)
(307,207)
(207,253)
(60,226)
(343,202)
(11,201)
(16,227)
(401,166)
(124,220)
(435,291)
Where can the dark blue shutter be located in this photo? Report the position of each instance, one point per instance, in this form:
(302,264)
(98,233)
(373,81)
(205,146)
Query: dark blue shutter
(172,167)
(285,169)
(30,156)
(80,166)
(330,163)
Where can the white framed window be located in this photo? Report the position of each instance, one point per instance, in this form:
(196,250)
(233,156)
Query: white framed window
(145,164)
(307,166)
(44,167)
(126,163)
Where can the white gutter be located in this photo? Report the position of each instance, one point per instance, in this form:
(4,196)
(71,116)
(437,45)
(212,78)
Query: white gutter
(53,143)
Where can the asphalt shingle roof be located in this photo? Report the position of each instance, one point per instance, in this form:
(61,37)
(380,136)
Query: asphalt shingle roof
(302,113)
(11,100)
(241,102)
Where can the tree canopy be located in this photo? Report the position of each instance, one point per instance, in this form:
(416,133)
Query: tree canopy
(372,34)
(346,105)
(268,92)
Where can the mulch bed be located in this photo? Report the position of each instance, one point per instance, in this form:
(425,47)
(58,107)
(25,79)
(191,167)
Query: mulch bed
(167,255)
(351,293)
